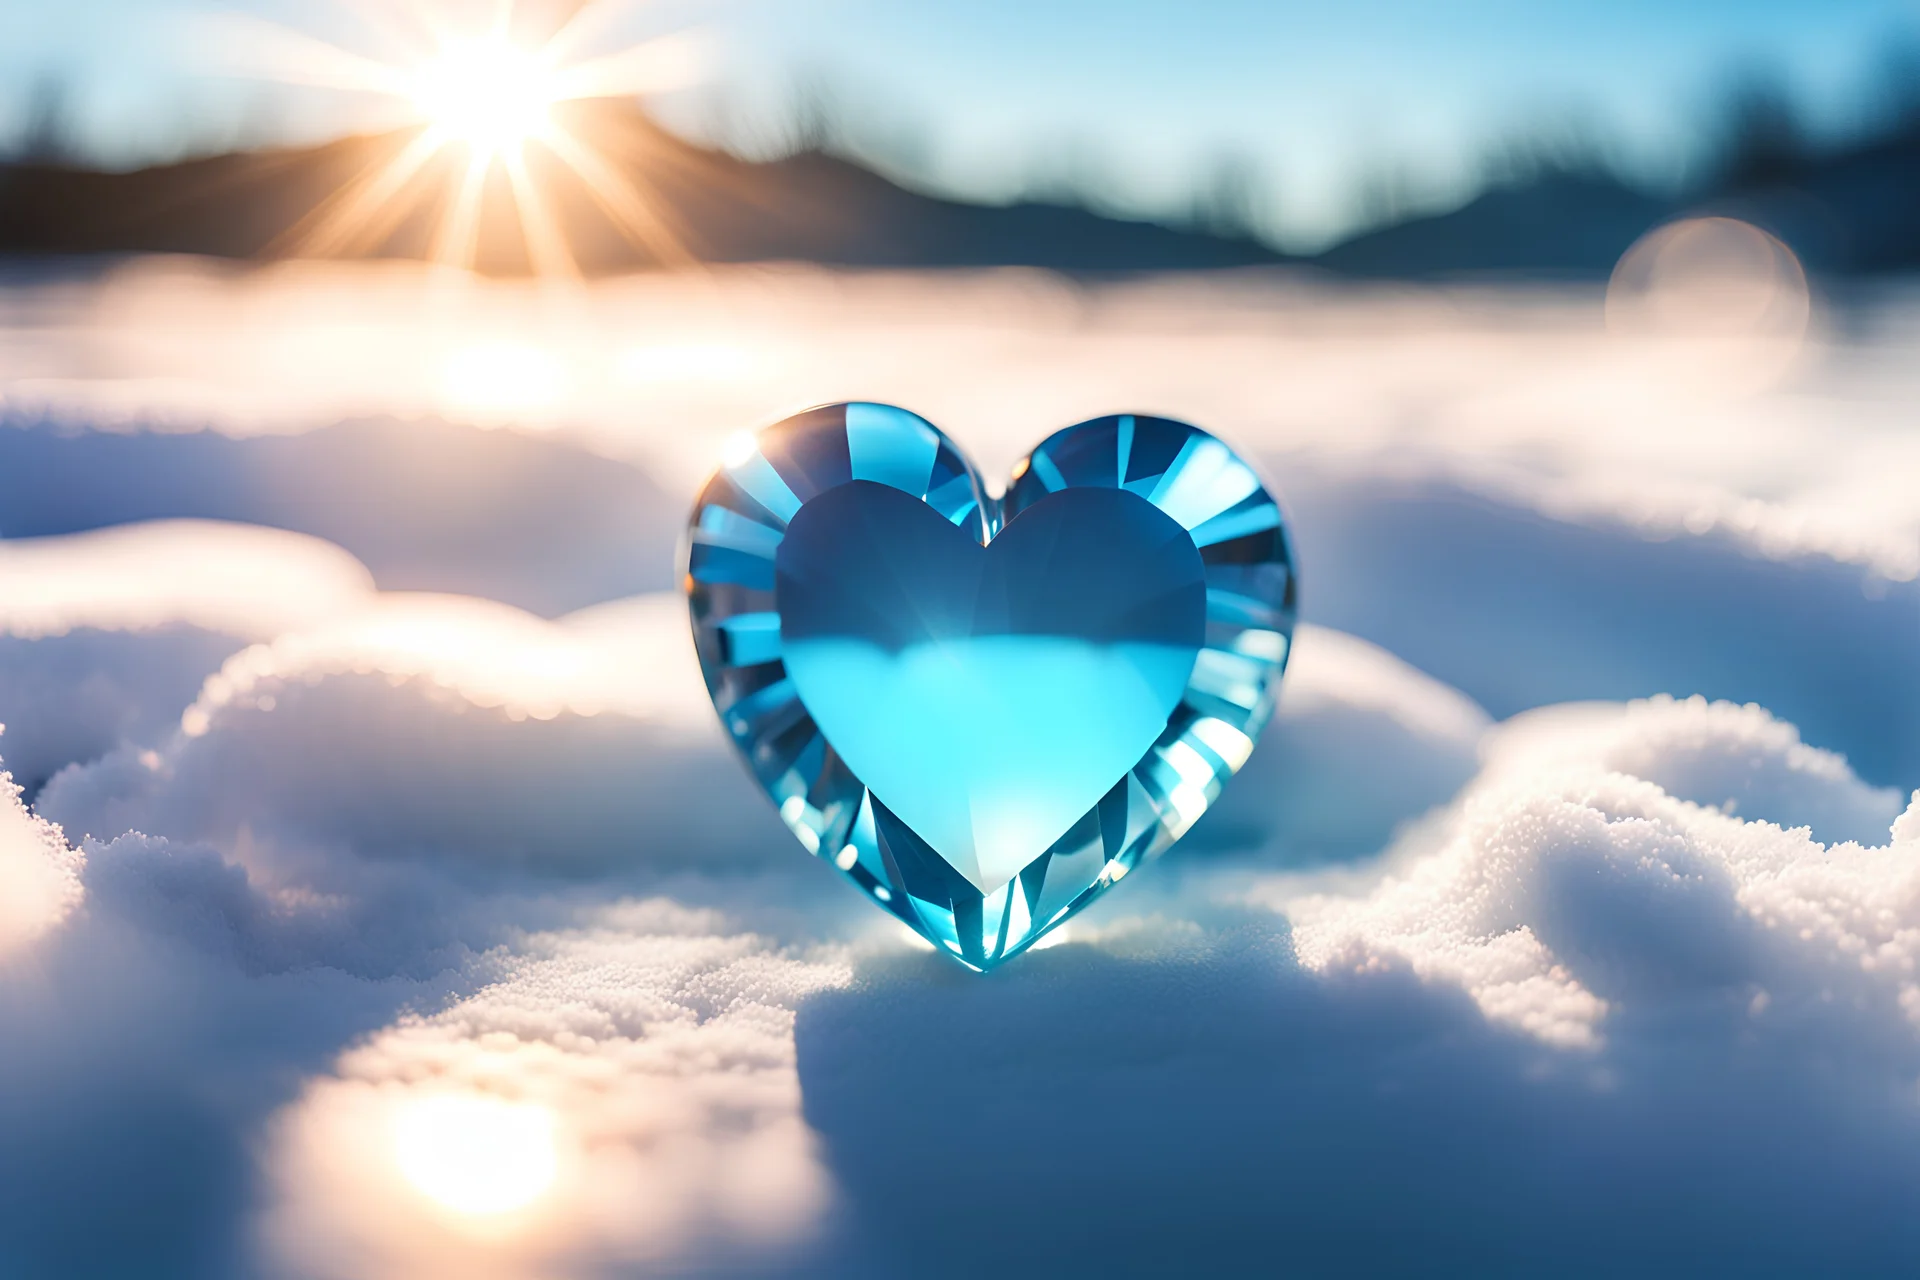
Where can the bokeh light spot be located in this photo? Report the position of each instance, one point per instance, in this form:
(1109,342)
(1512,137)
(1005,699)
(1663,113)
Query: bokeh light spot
(1722,301)
(476,1155)
(1710,275)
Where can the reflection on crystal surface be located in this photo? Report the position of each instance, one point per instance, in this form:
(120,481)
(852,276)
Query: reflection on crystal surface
(985,714)
(989,696)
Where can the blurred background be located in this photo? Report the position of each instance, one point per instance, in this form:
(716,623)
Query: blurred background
(404,913)
(1384,139)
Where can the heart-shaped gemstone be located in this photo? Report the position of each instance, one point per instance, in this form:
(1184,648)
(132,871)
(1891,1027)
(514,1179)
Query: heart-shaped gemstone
(987,712)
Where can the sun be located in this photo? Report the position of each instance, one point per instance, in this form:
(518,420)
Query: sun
(488,91)
(488,94)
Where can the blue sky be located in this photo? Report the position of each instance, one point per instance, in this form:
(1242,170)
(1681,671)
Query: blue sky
(1138,98)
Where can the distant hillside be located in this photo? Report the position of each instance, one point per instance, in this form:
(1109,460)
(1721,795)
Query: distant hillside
(696,203)
(1851,211)
(1558,225)
(1855,210)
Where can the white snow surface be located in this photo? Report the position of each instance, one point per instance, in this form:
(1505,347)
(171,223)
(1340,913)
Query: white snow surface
(236,579)
(1534,938)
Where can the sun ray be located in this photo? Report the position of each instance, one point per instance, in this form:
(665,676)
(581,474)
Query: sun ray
(365,204)
(456,241)
(486,97)
(667,62)
(586,24)
(620,200)
(546,246)
(238,42)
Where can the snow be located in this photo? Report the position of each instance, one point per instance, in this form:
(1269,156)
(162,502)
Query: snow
(1565,920)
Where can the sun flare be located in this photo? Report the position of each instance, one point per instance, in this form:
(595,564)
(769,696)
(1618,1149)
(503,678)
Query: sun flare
(487,93)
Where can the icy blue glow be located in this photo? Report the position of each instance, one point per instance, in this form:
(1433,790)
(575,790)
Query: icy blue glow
(985,713)
(990,748)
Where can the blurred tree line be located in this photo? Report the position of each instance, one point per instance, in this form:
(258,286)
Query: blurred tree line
(1757,135)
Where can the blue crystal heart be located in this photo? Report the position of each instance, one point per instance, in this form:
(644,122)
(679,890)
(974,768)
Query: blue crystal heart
(986,713)
(914,648)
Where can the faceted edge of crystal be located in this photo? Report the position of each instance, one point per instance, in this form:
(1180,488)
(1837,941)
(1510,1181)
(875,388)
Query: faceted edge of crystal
(727,562)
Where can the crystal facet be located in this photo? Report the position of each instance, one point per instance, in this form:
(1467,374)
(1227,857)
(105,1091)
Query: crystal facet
(985,713)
